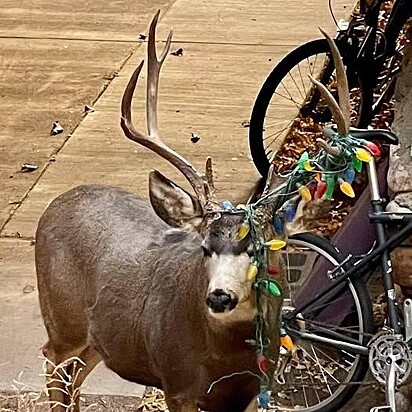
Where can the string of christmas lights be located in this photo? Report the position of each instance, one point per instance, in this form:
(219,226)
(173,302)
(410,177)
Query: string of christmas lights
(319,176)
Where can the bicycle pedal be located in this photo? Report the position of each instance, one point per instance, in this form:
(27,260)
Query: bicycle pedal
(381,409)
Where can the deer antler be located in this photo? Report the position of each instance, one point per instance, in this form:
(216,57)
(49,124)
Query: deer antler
(341,111)
(153,140)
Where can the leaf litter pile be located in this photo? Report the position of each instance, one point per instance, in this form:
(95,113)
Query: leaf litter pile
(153,400)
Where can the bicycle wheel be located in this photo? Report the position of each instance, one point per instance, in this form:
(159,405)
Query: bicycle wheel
(319,376)
(289,106)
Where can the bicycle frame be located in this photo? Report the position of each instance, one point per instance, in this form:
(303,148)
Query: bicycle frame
(384,245)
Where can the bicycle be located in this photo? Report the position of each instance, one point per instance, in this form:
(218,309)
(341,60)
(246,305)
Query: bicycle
(334,328)
(327,309)
(372,57)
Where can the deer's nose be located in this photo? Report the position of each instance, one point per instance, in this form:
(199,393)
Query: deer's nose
(220,301)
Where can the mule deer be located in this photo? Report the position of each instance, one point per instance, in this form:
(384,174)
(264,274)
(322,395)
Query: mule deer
(163,302)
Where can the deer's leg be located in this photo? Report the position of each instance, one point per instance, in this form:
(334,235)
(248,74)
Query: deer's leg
(80,371)
(57,378)
(63,381)
(56,391)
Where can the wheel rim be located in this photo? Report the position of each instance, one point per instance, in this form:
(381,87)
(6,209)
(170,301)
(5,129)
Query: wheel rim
(318,374)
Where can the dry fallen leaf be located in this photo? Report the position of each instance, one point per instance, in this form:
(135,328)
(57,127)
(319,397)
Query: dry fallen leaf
(56,128)
(27,168)
(178,52)
(28,288)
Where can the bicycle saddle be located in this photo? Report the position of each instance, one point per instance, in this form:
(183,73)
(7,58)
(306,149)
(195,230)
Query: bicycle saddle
(381,135)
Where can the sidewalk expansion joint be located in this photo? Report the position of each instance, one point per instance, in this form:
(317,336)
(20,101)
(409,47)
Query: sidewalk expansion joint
(138,42)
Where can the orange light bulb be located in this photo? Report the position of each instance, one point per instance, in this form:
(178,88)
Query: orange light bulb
(287,343)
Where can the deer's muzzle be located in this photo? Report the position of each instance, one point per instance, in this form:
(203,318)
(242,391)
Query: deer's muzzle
(220,301)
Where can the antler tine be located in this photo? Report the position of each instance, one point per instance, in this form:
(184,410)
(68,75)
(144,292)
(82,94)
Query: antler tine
(153,69)
(209,174)
(153,140)
(341,112)
(342,80)
(333,106)
(332,150)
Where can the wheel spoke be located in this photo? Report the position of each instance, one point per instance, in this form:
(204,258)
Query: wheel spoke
(323,370)
(312,72)
(290,98)
(301,80)
(277,133)
(297,87)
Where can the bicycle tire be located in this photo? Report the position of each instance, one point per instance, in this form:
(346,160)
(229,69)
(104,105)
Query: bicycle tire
(356,365)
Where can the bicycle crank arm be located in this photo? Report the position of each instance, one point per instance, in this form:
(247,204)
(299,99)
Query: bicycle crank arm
(391,383)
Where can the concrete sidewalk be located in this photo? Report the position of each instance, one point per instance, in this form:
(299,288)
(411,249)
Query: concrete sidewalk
(229,48)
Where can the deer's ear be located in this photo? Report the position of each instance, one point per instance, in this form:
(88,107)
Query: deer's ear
(173,204)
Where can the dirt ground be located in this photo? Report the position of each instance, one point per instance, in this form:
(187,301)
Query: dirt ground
(90,403)
(369,396)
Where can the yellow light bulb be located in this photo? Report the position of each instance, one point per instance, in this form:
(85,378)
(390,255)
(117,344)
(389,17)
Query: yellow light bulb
(252,271)
(347,189)
(305,193)
(243,231)
(363,155)
(307,166)
(276,244)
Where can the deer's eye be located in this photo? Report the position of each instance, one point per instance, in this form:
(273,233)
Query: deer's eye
(206,251)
